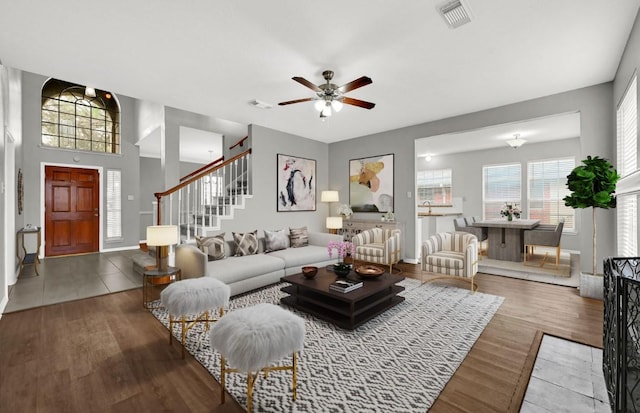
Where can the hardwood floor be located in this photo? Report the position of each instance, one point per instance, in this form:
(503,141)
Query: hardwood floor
(109,354)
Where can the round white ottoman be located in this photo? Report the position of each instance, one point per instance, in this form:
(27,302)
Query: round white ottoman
(191,300)
(252,338)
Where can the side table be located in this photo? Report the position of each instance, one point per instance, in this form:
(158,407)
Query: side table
(28,258)
(152,277)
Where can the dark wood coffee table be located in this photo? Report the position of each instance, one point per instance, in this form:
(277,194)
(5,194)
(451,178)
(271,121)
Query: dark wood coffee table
(347,310)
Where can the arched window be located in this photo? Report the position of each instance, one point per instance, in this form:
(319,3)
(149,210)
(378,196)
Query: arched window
(77,118)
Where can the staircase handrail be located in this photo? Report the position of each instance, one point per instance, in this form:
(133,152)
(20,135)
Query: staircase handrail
(207,166)
(191,180)
(239,143)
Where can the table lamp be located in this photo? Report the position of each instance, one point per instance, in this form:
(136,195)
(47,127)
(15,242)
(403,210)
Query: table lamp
(161,237)
(334,224)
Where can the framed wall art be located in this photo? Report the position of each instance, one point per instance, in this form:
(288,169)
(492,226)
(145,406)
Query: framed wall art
(371,184)
(296,183)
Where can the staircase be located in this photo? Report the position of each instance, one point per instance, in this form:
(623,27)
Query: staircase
(199,204)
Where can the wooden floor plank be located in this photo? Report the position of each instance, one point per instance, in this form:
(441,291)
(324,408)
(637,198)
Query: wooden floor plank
(109,354)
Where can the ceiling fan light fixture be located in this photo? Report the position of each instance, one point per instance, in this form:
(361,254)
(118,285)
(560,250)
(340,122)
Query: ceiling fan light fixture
(336,105)
(516,142)
(326,112)
(319,105)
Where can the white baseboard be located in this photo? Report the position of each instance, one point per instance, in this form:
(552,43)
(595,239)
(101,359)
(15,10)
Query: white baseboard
(411,260)
(3,304)
(120,249)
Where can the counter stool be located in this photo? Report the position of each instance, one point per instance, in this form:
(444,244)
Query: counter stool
(252,338)
(189,302)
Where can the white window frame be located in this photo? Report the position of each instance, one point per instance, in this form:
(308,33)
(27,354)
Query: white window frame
(492,203)
(559,187)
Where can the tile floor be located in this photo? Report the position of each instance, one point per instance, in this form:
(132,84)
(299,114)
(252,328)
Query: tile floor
(567,377)
(71,278)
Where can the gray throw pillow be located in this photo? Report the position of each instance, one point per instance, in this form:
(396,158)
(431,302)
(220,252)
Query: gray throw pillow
(276,240)
(299,237)
(212,246)
(246,244)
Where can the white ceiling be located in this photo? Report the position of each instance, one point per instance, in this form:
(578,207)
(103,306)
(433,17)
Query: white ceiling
(197,146)
(563,126)
(214,57)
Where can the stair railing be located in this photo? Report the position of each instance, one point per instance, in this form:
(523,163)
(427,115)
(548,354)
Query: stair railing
(198,201)
(202,169)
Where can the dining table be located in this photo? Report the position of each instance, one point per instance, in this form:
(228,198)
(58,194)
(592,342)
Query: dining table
(506,238)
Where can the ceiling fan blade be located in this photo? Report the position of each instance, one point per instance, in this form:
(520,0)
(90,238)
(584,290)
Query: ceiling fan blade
(290,102)
(306,83)
(358,102)
(362,81)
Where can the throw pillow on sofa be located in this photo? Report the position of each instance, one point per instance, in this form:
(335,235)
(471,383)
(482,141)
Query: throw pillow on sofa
(246,244)
(276,240)
(299,237)
(212,246)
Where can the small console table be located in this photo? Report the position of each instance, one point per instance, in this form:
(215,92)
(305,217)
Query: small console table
(28,258)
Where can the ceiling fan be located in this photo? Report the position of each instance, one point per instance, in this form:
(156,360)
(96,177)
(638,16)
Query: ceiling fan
(330,96)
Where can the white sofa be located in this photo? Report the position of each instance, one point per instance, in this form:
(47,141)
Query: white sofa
(249,272)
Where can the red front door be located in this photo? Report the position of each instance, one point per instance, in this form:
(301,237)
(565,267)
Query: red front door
(72,199)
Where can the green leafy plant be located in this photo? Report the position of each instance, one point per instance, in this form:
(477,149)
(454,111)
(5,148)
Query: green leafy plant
(592,184)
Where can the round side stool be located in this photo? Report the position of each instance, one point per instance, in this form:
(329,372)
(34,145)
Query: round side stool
(191,301)
(252,338)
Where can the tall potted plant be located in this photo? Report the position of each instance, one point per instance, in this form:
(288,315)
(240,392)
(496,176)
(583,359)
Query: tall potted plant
(592,185)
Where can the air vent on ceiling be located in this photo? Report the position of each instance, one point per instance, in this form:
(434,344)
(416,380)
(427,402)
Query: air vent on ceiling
(455,14)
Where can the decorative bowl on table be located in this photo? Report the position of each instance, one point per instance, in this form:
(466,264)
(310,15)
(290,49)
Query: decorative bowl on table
(309,272)
(369,271)
(342,270)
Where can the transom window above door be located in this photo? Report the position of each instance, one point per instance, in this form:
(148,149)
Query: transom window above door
(80,118)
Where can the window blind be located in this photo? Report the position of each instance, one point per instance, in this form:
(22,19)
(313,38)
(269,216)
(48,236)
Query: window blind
(114,204)
(500,184)
(435,186)
(627,131)
(547,186)
(627,225)
(627,164)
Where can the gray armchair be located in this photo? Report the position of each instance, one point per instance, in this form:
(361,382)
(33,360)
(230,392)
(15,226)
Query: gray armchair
(543,235)
(482,233)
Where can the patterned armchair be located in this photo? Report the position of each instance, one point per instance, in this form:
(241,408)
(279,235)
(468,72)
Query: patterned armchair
(452,255)
(377,245)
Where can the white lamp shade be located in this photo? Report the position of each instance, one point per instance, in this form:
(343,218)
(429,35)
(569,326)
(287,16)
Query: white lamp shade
(336,105)
(162,235)
(319,105)
(329,196)
(334,222)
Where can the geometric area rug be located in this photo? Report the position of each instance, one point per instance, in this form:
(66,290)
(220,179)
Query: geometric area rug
(397,362)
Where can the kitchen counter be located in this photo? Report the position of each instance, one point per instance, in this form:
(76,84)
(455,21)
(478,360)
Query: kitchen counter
(437,214)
